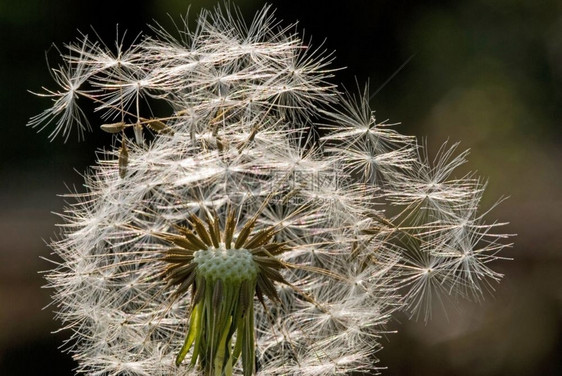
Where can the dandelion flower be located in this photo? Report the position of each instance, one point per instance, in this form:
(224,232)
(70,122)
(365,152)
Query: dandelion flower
(262,224)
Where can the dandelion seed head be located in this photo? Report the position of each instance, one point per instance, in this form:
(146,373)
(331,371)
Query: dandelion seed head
(249,217)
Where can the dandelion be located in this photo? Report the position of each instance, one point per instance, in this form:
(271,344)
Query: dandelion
(262,223)
(70,79)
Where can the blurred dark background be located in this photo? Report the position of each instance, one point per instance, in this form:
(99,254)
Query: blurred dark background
(484,72)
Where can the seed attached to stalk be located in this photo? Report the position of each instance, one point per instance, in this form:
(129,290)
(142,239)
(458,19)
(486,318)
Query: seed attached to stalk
(123,159)
(114,127)
(158,126)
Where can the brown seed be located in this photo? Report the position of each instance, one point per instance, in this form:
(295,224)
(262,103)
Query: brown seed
(113,127)
(158,126)
(123,160)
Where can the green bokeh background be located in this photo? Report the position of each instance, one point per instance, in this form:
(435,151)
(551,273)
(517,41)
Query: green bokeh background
(487,73)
